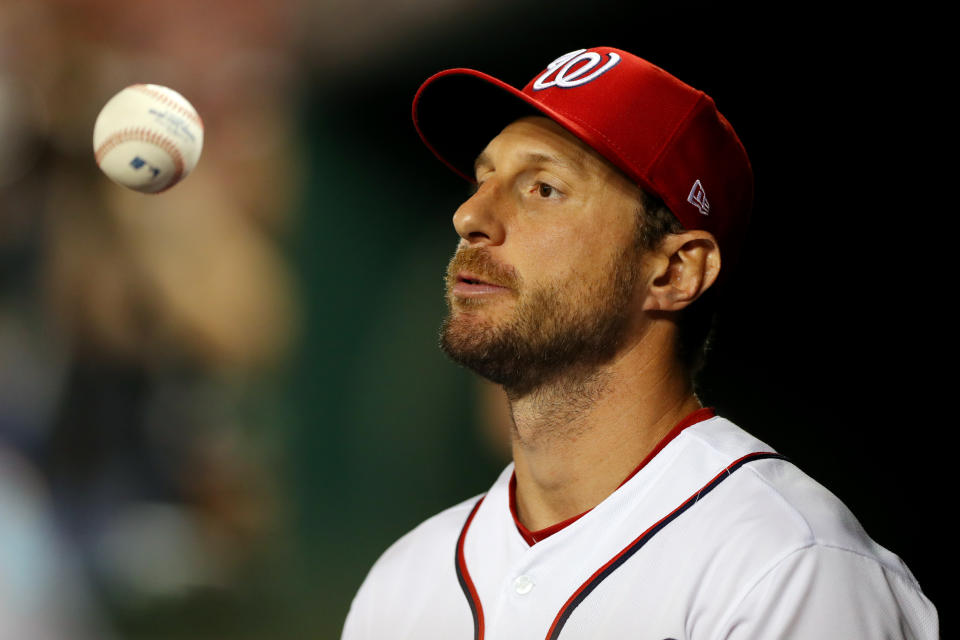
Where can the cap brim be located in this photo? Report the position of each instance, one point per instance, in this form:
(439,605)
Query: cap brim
(458,111)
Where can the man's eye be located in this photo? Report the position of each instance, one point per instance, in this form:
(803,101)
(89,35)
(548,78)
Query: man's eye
(544,190)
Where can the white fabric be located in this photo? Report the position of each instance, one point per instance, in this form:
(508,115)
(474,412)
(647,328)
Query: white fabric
(769,553)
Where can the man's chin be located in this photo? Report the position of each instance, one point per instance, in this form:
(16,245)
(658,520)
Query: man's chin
(485,347)
(466,335)
(466,330)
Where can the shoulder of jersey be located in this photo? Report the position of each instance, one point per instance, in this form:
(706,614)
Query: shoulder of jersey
(427,549)
(415,574)
(797,511)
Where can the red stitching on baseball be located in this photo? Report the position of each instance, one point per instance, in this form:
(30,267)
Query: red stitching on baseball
(170,102)
(142,134)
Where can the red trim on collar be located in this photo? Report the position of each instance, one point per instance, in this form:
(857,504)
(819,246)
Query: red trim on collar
(701,414)
(533,537)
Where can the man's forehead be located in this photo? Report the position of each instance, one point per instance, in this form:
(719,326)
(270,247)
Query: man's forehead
(540,140)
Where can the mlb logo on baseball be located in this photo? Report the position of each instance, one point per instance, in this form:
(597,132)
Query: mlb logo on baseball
(138,163)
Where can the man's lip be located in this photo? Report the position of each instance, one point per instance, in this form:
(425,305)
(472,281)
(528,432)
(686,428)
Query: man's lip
(470,285)
(473,279)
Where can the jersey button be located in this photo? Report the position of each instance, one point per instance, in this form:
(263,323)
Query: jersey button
(523,585)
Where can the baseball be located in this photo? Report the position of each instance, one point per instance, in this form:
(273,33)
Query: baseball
(147,138)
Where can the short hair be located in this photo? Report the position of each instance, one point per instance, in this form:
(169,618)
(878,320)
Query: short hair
(696,323)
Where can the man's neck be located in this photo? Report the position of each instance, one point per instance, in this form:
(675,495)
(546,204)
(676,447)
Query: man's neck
(577,438)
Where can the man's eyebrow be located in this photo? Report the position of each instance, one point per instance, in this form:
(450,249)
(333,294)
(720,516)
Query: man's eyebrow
(574,164)
(483,160)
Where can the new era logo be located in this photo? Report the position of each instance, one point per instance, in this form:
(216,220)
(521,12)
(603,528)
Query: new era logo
(698,198)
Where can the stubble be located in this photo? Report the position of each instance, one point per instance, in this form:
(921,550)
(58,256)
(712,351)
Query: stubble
(558,334)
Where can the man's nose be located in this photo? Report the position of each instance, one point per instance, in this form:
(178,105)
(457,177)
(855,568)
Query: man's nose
(479,219)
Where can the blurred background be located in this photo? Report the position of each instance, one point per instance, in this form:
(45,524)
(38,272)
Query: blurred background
(219,405)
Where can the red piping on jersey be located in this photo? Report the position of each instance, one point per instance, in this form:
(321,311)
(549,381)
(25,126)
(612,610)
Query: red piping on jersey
(466,582)
(533,537)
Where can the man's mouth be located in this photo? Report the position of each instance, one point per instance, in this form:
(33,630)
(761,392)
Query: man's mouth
(471,285)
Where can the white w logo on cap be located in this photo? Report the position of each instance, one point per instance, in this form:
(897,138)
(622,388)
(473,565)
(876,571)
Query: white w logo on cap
(566,77)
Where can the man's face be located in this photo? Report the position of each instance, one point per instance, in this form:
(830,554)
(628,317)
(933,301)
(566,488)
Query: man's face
(544,281)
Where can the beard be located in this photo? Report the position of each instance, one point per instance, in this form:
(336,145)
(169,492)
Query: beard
(561,331)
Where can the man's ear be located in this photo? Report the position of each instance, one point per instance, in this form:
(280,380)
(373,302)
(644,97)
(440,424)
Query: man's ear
(683,267)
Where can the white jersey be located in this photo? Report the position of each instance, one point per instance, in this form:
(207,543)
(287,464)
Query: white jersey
(715,537)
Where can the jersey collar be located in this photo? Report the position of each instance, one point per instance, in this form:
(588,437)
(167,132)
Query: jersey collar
(533,537)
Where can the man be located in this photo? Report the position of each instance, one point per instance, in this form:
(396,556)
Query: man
(611,199)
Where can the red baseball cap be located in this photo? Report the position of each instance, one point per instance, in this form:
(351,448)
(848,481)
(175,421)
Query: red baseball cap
(665,135)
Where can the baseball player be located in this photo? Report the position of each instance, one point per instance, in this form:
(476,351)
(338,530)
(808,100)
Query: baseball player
(611,201)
